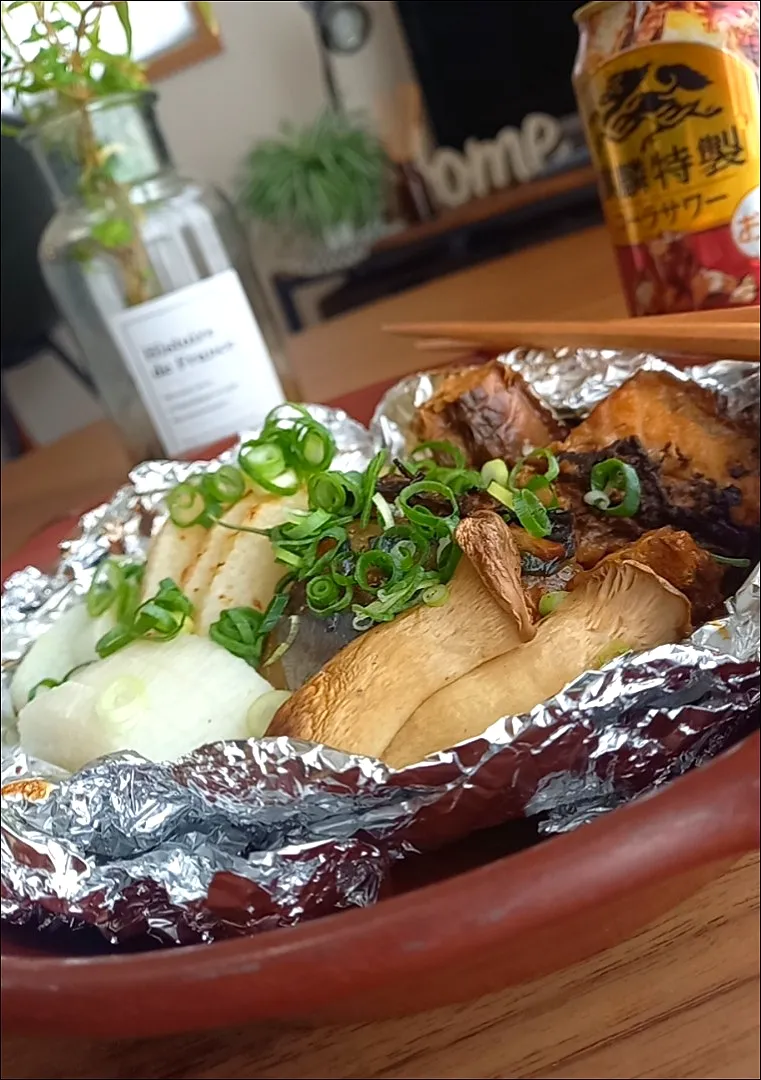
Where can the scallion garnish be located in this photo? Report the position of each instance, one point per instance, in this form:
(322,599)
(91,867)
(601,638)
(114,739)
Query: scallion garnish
(494,471)
(226,485)
(115,586)
(369,481)
(541,484)
(330,492)
(375,569)
(42,685)
(325,596)
(448,556)
(385,513)
(612,476)
(161,618)
(550,602)
(531,513)
(725,560)
(322,546)
(501,494)
(435,595)
(243,631)
(284,646)
(186,504)
(553,467)
(421,515)
(435,451)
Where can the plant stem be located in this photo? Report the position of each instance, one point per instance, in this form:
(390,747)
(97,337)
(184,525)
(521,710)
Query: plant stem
(133,259)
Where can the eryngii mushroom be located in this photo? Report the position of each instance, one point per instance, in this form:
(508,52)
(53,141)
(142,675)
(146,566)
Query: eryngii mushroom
(363,696)
(623,607)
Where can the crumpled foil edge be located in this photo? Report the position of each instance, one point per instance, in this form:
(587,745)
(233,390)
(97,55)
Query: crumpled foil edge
(240,837)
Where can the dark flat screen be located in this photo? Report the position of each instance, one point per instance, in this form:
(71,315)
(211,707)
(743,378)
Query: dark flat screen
(484,64)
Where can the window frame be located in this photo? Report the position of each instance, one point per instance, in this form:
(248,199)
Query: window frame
(203,44)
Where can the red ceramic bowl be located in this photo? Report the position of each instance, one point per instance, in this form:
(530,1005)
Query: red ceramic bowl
(472,919)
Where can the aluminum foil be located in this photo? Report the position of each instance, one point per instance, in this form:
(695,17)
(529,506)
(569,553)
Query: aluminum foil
(240,837)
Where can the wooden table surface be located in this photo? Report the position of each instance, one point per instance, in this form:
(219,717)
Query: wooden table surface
(680,1000)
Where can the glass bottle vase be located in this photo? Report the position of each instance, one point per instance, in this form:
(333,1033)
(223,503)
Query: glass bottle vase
(152,272)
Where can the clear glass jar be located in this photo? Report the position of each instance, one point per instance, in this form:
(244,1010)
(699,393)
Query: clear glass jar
(134,249)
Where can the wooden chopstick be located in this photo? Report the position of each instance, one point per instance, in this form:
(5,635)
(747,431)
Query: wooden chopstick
(721,339)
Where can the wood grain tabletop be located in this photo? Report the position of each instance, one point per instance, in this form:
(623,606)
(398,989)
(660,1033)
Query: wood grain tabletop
(679,1000)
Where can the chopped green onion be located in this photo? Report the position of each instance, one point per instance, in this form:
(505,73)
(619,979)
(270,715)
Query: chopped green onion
(724,560)
(385,513)
(186,505)
(439,449)
(273,613)
(447,559)
(460,481)
(116,704)
(376,563)
(114,640)
(501,494)
(160,618)
(342,568)
(512,479)
(435,595)
(264,463)
(598,499)
(243,631)
(531,513)
(288,557)
(43,684)
(115,585)
(226,485)
(553,467)
(405,543)
(494,471)
(163,616)
(324,596)
(551,472)
(237,630)
(262,712)
(314,448)
(395,598)
(328,492)
(421,515)
(541,483)
(334,543)
(369,481)
(284,646)
(615,475)
(103,588)
(304,525)
(550,602)
(287,483)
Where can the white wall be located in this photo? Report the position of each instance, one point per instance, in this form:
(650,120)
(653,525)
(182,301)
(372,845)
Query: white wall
(268,72)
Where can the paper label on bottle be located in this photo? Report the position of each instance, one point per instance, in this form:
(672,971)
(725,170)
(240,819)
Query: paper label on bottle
(200,362)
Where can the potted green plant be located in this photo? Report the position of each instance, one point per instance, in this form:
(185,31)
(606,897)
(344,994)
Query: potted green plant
(151,270)
(323,184)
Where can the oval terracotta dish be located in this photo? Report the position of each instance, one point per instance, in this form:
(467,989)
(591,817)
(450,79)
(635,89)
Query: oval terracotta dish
(459,930)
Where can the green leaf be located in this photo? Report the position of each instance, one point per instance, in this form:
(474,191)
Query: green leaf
(114,233)
(122,10)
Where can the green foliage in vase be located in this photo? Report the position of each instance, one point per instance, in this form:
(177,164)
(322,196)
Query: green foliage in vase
(61,69)
(316,178)
(69,67)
